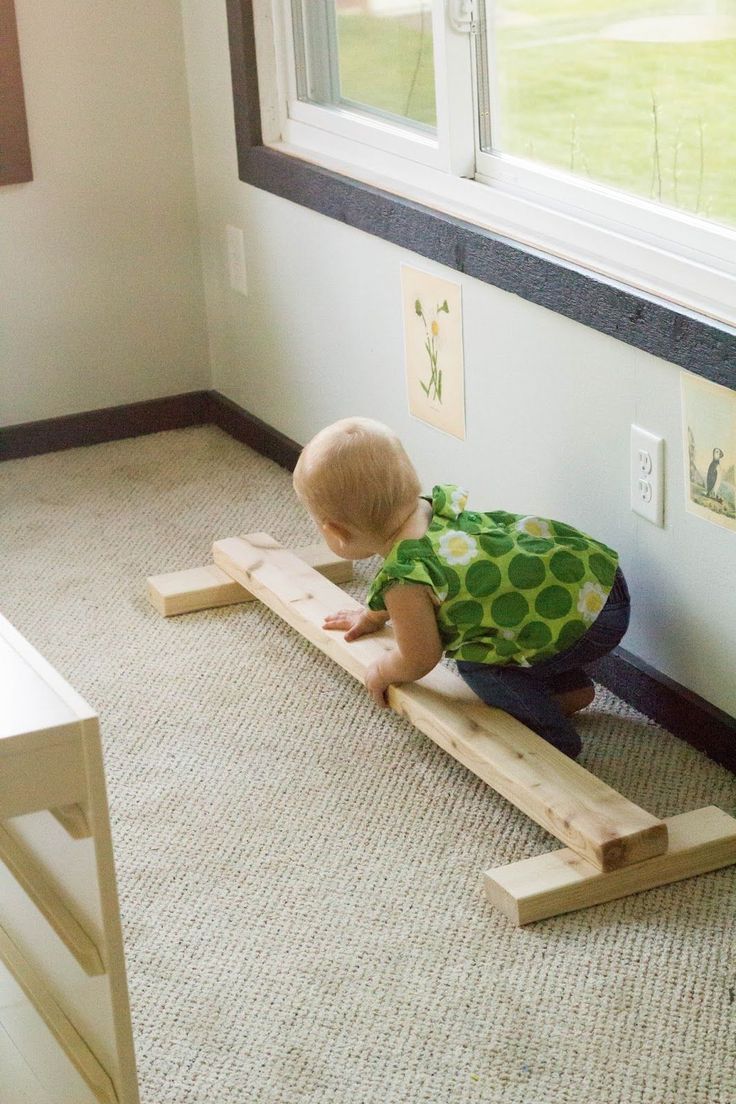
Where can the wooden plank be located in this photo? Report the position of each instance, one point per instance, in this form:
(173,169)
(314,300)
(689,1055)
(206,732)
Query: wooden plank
(58,1023)
(200,588)
(575,806)
(561,881)
(73,820)
(197,588)
(32,878)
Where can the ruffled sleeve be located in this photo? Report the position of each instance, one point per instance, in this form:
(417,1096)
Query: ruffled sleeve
(410,561)
(448,500)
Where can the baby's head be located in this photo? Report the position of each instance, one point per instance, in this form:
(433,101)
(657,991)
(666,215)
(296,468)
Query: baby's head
(357,482)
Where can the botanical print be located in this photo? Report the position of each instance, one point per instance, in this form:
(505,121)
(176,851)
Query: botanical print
(433,388)
(433,349)
(709,440)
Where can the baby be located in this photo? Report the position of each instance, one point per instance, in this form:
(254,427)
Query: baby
(521,603)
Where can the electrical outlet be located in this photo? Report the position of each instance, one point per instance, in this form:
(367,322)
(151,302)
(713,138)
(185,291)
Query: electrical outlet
(647,475)
(236,260)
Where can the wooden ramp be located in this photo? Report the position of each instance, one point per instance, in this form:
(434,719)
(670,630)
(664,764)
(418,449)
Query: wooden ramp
(604,832)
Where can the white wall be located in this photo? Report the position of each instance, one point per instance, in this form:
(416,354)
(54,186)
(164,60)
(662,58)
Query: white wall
(101,298)
(549,402)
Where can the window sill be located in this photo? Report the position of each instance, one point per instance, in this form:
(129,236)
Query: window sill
(690,340)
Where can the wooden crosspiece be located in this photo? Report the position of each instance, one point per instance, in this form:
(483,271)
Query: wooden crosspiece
(613,847)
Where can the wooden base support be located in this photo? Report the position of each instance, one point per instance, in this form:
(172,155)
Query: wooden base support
(614,848)
(561,881)
(201,588)
(556,792)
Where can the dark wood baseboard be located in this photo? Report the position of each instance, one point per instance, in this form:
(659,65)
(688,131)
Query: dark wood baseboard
(658,697)
(252,431)
(111,423)
(671,705)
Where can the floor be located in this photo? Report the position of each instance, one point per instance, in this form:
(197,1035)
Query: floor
(300,874)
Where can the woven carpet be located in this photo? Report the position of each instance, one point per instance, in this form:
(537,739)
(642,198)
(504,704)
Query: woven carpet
(300,873)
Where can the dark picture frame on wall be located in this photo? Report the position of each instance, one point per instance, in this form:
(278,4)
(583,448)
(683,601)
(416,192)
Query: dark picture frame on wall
(15,151)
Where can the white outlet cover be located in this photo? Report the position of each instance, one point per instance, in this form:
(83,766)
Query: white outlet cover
(646,478)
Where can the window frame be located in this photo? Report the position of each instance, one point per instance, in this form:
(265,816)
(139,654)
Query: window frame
(449,146)
(454,236)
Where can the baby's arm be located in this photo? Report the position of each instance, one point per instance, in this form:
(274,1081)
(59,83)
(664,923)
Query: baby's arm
(418,646)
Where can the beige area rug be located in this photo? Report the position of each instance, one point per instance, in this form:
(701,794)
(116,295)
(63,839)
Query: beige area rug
(300,874)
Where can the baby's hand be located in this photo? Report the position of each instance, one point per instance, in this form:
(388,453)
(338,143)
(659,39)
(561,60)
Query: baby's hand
(358,622)
(377,685)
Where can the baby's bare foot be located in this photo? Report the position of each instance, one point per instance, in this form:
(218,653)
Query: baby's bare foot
(572,701)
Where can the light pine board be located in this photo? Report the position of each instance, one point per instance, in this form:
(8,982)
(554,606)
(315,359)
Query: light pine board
(560,795)
(561,881)
(200,588)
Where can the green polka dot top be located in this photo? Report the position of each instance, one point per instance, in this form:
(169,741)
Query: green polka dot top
(509,588)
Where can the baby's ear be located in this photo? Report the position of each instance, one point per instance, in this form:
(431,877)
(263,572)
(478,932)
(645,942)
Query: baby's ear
(335,532)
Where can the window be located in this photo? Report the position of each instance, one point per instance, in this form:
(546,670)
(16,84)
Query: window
(596,131)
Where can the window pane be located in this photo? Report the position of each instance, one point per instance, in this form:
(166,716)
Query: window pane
(376,55)
(638,94)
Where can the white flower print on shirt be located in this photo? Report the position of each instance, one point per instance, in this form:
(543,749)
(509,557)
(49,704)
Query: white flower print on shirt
(591,600)
(534,527)
(458,500)
(457,547)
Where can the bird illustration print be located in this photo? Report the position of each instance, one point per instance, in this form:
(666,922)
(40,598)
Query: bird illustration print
(712,476)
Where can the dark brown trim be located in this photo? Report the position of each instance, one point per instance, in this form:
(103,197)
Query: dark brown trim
(15,152)
(252,431)
(671,705)
(699,344)
(242,43)
(92,427)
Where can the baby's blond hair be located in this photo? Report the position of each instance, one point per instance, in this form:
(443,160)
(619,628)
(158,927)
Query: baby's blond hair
(355,472)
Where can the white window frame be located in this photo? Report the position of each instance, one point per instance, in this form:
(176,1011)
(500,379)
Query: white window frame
(449,148)
(679,259)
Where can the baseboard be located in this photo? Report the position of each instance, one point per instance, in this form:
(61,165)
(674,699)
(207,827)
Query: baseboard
(252,431)
(658,697)
(94,427)
(671,705)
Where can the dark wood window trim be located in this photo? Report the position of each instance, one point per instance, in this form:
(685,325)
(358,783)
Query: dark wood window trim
(15,154)
(701,345)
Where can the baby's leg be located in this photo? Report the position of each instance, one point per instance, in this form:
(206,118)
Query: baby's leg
(515,690)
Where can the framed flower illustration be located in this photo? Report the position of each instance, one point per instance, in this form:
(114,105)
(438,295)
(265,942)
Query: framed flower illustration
(433,350)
